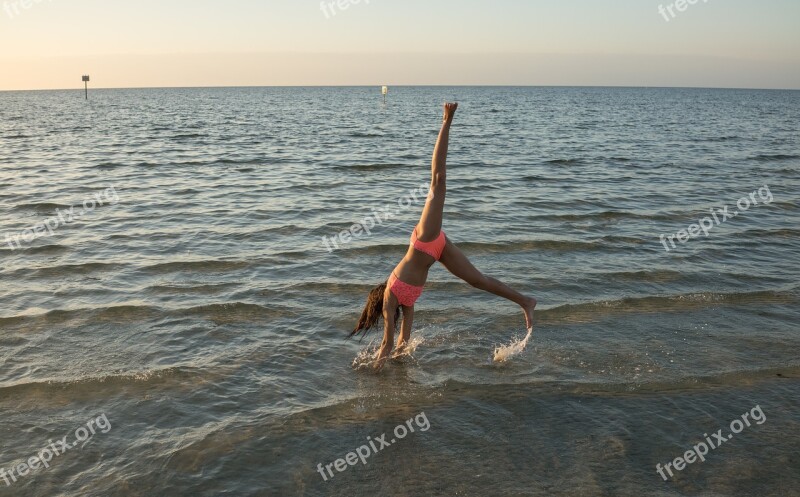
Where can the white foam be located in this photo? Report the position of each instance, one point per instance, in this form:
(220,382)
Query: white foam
(506,352)
(367,357)
(411,346)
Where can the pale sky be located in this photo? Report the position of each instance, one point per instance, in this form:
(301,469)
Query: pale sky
(146,43)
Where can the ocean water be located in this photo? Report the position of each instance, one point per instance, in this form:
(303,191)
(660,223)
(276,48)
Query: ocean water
(192,316)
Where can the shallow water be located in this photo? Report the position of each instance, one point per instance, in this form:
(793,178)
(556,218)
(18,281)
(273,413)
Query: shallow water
(199,309)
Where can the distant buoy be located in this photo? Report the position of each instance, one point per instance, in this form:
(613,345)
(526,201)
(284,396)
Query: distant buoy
(385,91)
(86,85)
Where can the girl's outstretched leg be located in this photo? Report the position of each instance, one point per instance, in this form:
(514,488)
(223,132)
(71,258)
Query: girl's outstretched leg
(497,287)
(457,263)
(430,223)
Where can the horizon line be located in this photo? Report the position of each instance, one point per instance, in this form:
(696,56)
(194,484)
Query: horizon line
(76,88)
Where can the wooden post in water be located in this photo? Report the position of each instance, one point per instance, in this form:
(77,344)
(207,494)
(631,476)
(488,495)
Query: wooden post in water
(86,85)
(385,90)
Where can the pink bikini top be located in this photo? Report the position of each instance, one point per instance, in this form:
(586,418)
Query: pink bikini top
(433,249)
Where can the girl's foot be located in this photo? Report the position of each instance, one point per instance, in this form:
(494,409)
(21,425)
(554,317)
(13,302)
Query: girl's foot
(528,310)
(449,112)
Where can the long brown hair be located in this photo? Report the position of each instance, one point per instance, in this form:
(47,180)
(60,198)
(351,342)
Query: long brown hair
(372,312)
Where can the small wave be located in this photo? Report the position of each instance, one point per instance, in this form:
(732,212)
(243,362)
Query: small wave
(650,276)
(286,229)
(566,162)
(207,266)
(775,157)
(620,159)
(624,240)
(604,216)
(359,134)
(591,311)
(372,167)
(109,165)
(518,246)
(542,178)
(187,191)
(330,288)
(40,207)
(479,248)
(560,205)
(483,187)
(120,313)
(235,312)
(115,379)
(380,249)
(62,270)
(246,162)
(46,249)
(768,233)
(188,135)
(715,139)
(587,386)
(207,289)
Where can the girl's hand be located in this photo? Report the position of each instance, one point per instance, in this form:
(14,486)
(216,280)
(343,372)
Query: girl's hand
(450,112)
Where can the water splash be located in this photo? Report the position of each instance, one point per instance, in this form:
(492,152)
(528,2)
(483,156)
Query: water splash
(506,352)
(366,358)
(409,349)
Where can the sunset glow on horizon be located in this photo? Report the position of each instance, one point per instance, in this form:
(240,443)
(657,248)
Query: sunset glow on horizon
(51,43)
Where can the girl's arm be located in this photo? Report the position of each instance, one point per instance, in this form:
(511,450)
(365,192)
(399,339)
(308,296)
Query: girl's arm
(405,327)
(389,325)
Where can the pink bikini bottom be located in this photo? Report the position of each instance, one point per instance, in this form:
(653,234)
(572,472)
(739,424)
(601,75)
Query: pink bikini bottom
(406,294)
